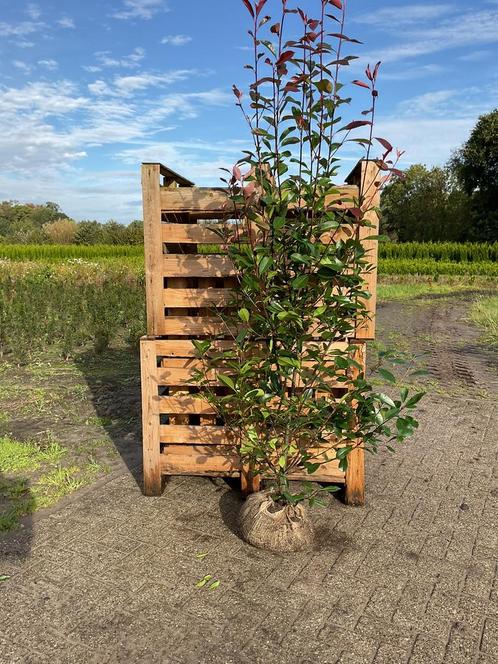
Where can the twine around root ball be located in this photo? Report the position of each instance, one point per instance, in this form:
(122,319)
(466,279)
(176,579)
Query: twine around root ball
(280,529)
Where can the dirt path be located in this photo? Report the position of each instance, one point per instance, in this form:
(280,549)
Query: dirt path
(439,328)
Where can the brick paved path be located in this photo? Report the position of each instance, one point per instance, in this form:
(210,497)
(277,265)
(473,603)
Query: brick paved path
(410,578)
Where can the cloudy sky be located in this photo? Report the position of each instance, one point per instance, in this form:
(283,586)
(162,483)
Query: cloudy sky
(89,90)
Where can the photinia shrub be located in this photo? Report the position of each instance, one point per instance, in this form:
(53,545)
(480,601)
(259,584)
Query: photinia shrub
(295,395)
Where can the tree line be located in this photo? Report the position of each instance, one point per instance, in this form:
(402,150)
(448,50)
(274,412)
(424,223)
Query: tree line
(457,202)
(27,223)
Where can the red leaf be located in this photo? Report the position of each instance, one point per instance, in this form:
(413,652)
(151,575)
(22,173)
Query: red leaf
(286,55)
(336,3)
(249,189)
(259,6)
(249,7)
(362,84)
(339,35)
(385,144)
(313,24)
(368,73)
(275,29)
(355,124)
(376,71)
(397,172)
(356,212)
(237,173)
(237,92)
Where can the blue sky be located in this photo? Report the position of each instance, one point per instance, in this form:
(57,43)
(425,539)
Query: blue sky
(89,90)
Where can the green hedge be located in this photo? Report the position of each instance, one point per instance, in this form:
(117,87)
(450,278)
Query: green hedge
(434,267)
(454,252)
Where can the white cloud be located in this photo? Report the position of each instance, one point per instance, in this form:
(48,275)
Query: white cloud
(125,86)
(393,17)
(144,9)
(460,31)
(33,11)
(176,40)
(66,22)
(52,65)
(412,72)
(22,66)
(130,61)
(20,30)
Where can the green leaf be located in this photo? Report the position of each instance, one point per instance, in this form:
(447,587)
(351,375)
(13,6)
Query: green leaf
(226,380)
(202,582)
(214,585)
(413,401)
(200,556)
(301,281)
(387,375)
(387,400)
(201,346)
(244,315)
(4,577)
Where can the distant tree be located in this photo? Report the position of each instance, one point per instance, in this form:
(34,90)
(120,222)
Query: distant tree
(475,166)
(61,231)
(21,222)
(135,232)
(425,205)
(114,232)
(89,232)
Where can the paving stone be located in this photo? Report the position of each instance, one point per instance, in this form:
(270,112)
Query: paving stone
(412,577)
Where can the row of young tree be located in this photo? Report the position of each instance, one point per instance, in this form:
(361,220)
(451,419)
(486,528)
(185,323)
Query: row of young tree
(48,224)
(457,203)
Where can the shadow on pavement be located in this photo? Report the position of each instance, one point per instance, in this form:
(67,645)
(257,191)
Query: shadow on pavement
(113,378)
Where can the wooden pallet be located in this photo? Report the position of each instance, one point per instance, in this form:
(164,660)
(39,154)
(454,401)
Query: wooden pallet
(181,433)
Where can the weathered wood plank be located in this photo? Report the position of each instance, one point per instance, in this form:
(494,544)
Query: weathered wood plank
(199,460)
(198,265)
(354,494)
(184,404)
(203,234)
(185,348)
(215,201)
(152,244)
(190,326)
(191,435)
(197,297)
(150,420)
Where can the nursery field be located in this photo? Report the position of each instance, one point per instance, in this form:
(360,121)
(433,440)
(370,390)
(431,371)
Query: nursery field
(71,318)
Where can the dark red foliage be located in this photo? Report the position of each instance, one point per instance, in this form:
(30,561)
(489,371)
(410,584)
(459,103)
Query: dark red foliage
(249,7)
(336,3)
(356,123)
(385,144)
(362,84)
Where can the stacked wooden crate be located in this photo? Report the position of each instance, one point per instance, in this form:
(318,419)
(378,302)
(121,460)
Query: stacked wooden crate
(181,433)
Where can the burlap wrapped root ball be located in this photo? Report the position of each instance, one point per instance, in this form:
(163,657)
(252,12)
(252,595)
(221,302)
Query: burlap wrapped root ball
(266,525)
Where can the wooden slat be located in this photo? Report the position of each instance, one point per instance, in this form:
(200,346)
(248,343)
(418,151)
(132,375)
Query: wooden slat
(198,297)
(202,234)
(152,244)
(150,420)
(211,201)
(207,435)
(184,404)
(367,174)
(177,265)
(199,460)
(354,494)
(191,233)
(178,377)
(185,348)
(189,326)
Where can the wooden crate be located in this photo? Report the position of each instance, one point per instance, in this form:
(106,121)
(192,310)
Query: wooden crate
(183,285)
(181,433)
